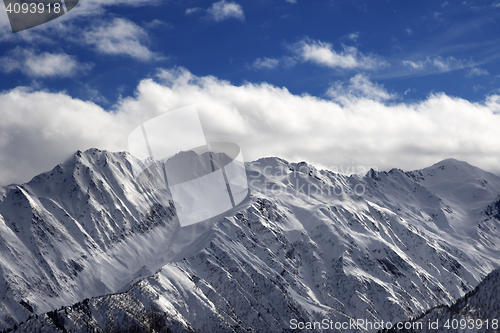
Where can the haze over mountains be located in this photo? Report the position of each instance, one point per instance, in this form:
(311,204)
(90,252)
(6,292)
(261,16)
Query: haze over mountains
(305,245)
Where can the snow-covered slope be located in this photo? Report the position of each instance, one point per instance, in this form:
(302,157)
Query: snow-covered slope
(304,245)
(77,231)
(477,312)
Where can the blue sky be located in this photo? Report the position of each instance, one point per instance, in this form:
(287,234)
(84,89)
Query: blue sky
(412,48)
(342,55)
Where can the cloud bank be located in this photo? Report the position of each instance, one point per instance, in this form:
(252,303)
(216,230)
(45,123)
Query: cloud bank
(358,125)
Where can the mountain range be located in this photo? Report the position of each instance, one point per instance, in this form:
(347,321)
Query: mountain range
(89,247)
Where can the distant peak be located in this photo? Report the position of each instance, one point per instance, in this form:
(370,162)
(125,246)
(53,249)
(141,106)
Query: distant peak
(451,161)
(270,161)
(450,164)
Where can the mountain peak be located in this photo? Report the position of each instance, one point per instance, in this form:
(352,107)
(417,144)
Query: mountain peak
(453,169)
(450,163)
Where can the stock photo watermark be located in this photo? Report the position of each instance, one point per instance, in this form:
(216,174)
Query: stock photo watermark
(266,180)
(25,15)
(414,326)
(205,179)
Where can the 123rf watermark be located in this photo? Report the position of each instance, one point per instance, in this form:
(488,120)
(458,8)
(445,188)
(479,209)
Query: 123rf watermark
(362,324)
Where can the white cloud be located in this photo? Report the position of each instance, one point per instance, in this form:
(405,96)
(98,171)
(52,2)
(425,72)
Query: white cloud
(40,129)
(409,31)
(194,10)
(42,65)
(291,1)
(117,36)
(223,10)
(323,54)
(475,71)
(353,36)
(440,64)
(120,37)
(359,87)
(155,24)
(265,63)
(445,65)
(414,65)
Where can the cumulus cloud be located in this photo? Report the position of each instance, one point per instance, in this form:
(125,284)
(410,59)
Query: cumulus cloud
(42,65)
(265,63)
(223,10)
(120,37)
(40,129)
(323,54)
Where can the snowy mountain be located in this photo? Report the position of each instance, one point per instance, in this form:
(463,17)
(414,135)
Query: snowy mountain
(476,312)
(304,246)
